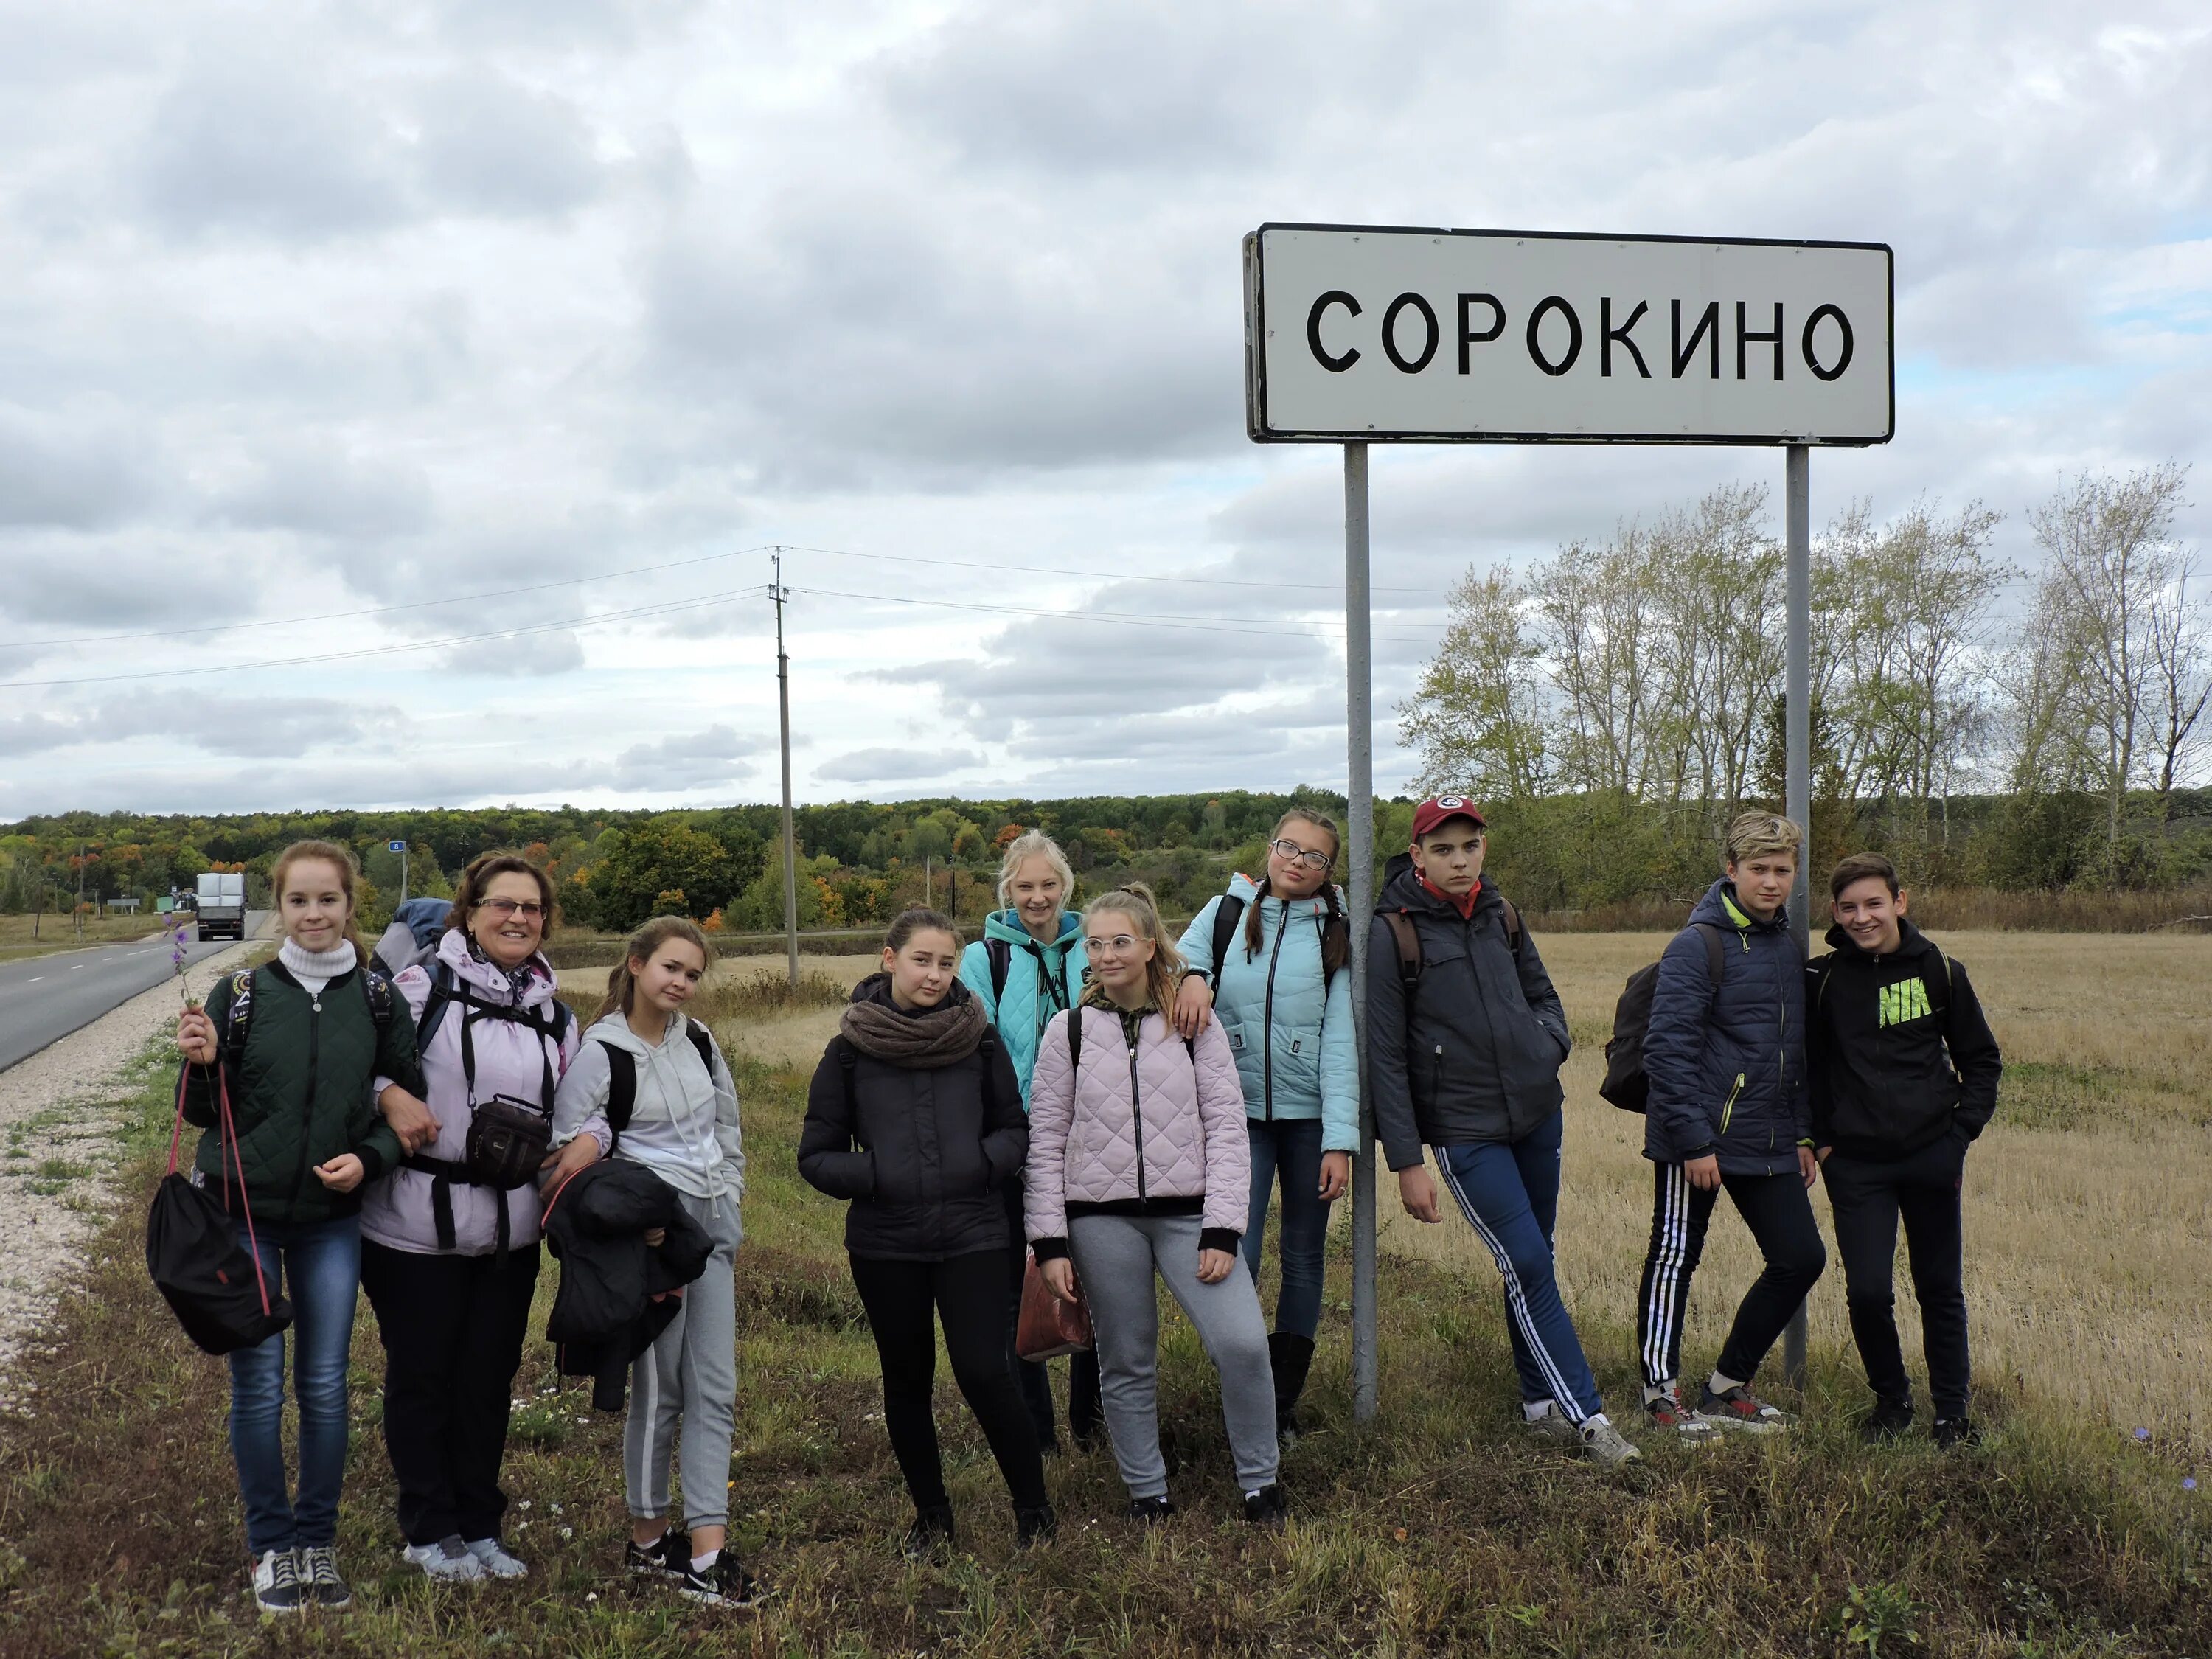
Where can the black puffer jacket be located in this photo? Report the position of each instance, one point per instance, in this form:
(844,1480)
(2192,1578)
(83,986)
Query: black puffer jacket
(606,1314)
(924,1155)
(1477,1057)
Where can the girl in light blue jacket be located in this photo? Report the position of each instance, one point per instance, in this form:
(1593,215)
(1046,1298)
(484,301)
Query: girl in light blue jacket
(1269,961)
(1029,965)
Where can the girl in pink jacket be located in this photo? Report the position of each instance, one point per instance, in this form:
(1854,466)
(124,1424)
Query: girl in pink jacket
(1139,1165)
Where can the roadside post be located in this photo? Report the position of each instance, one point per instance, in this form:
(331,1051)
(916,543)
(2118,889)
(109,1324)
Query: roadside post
(400,847)
(1361,334)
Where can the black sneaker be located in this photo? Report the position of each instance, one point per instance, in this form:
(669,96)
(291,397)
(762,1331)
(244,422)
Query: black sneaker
(277,1585)
(724,1584)
(1150,1511)
(1887,1421)
(1036,1526)
(668,1556)
(932,1531)
(1952,1432)
(1266,1508)
(319,1572)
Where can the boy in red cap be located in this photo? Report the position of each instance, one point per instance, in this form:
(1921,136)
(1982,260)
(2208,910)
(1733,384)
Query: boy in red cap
(1465,1040)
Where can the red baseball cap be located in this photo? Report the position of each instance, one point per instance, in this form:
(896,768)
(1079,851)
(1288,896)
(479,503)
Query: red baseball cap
(1433,811)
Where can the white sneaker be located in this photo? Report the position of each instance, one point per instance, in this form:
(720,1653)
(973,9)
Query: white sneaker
(278,1586)
(1604,1443)
(494,1560)
(448,1560)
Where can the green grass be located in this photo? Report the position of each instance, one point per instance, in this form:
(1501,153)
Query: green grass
(1439,1530)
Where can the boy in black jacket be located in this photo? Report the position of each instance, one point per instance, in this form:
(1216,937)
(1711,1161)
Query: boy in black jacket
(1904,1075)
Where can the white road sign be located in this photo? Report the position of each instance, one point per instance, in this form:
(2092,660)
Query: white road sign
(1374,334)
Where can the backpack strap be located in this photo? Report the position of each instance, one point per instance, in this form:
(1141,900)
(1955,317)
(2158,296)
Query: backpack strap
(383,1004)
(237,1019)
(442,982)
(1075,1042)
(1715,952)
(1409,940)
(1226,915)
(704,1042)
(848,1063)
(622,1090)
(984,1051)
(1001,956)
(1512,925)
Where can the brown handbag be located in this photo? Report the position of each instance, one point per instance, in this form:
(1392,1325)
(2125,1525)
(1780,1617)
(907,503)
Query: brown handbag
(1048,1326)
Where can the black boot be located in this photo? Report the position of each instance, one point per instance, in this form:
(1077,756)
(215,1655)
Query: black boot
(1290,1356)
(933,1530)
(1036,1526)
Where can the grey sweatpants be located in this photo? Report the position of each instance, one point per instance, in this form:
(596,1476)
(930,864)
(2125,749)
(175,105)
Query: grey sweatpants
(1116,1256)
(691,1373)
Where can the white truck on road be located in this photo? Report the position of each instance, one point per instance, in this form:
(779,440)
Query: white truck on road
(221,905)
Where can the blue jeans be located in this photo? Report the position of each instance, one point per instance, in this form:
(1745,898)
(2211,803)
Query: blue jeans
(320,1265)
(1293,1146)
(1509,1192)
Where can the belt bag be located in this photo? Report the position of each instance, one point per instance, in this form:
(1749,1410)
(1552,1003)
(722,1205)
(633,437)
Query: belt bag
(508,1141)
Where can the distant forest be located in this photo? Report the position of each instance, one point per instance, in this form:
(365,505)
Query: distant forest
(860,862)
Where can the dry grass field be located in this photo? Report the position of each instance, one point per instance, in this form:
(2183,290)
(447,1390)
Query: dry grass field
(2088,1201)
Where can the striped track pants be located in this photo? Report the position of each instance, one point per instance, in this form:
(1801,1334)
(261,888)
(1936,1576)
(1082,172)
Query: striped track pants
(1780,1217)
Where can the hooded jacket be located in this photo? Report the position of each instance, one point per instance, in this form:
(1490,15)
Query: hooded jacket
(924,1154)
(1727,1063)
(1477,1057)
(512,1058)
(301,1090)
(1900,1053)
(614,1295)
(1150,1125)
(1042,981)
(1288,1021)
(683,1126)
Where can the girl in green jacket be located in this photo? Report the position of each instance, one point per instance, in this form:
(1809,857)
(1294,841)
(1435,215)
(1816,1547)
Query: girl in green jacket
(299,1040)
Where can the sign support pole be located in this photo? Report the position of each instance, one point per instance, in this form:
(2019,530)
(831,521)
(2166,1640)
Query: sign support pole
(1797,781)
(780,593)
(1359,836)
(403,875)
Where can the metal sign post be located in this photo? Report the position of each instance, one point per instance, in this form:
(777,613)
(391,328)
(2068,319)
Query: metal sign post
(400,847)
(1361,334)
(1797,765)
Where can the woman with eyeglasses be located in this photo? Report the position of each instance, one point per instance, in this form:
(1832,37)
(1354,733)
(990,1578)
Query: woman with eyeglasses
(1267,960)
(449,1265)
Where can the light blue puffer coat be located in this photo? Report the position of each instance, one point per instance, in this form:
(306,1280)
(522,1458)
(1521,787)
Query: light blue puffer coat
(1041,979)
(1289,1025)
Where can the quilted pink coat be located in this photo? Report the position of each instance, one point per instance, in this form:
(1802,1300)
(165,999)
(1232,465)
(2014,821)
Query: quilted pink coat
(1166,1121)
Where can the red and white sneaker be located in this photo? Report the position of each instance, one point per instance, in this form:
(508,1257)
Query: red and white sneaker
(1740,1408)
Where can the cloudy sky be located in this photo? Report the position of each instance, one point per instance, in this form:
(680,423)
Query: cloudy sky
(398,402)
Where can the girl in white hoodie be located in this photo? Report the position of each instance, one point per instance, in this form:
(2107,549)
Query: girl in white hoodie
(683,1126)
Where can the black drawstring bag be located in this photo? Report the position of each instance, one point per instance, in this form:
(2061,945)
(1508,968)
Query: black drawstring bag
(215,1289)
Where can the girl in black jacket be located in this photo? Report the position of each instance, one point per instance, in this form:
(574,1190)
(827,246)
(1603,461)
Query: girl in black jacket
(916,1116)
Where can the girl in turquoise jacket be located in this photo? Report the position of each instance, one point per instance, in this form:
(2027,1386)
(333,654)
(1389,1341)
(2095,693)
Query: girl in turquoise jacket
(1029,965)
(1267,959)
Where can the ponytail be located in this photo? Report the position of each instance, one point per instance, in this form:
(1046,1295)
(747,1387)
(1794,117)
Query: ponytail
(622,985)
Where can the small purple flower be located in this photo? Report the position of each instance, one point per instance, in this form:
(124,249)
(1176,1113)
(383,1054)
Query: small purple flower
(177,963)
(2189,1483)
(2142,1434)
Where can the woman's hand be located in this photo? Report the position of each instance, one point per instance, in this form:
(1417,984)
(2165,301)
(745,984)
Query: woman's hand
(1194,1007)
(1059,1277)
(196,1037)
(412,1121)
(1214,1266)
(341,1174)
(1335,1176)
(655,1237)
(580,1153)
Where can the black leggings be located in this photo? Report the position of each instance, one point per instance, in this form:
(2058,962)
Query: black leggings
(1780,1216)
(968,1293)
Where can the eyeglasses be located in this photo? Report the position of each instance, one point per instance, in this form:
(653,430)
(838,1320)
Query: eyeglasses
(528,909)
(1116,945)
(1291,852)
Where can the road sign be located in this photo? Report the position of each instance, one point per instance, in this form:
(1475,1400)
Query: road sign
(1378,334)
(397,846)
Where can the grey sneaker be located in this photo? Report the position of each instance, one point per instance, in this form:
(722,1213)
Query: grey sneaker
(494,1560)
(1740,1408)
(1604,1443)
(318,1572)
(1554,1424)
(278,1586)
(449,1560)
(1668,1412)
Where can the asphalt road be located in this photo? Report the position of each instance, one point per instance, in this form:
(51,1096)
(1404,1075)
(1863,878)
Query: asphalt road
(45,999)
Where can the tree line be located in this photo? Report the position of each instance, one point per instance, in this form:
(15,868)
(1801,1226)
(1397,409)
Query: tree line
(1622,699)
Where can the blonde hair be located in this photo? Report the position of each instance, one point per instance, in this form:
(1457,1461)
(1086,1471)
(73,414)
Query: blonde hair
(325,852)
(1034,844)
(1757,833)
(622,986)
(1163,973)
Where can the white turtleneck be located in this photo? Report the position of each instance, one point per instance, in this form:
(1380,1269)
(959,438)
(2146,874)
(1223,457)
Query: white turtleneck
(316,969)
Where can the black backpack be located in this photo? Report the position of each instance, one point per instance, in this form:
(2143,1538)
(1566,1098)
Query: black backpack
(238,1020)
(1075,1044)
(215,1286)
(1407,936)
(621,1077)
(1231,911)
(1627,1085)
(1000,954)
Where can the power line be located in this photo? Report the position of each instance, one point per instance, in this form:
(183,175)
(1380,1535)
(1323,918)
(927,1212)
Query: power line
(1296,627)
(1100,576)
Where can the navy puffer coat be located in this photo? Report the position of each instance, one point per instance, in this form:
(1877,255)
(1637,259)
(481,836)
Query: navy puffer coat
(1728,1066)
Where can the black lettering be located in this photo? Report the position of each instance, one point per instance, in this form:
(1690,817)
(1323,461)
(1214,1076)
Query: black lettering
(1612,334)
(1468,336)
(1335,296)
(1708,329)
(1744,335)
(1574,336)
(1390,327)
(1843,357)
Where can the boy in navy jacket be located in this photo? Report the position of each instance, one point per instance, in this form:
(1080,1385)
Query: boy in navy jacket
(1725,1055)
(1904,1076)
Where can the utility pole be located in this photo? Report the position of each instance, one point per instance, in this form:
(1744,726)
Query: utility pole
(778,593)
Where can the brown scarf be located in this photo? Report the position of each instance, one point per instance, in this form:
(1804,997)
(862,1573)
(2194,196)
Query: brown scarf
(926,1040)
